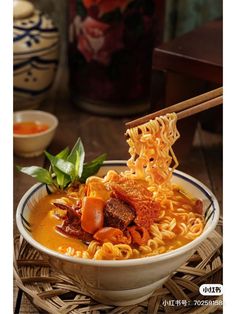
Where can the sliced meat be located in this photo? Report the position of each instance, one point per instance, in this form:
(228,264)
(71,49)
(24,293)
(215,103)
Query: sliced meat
(77,233)
(71,226)
(118,214)
(136,194)
(76,210)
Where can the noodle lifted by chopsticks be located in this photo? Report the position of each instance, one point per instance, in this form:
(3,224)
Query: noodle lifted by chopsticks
(150,147)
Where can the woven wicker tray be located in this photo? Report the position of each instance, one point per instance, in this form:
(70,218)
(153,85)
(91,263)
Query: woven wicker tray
(55,293)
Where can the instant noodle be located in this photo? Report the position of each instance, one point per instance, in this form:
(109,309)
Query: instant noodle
(133,214)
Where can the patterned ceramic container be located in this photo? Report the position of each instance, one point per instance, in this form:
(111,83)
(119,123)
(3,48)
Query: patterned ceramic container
(36,48)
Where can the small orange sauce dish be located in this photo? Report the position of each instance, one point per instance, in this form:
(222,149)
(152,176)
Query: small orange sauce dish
(33,131)
(29,127)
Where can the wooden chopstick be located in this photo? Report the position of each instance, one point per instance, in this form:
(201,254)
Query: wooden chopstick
(185,108)
(201,107)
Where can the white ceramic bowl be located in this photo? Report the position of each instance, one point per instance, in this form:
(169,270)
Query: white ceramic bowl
(129,281)
(30,145)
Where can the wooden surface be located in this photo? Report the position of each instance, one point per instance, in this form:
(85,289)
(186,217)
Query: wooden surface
(104,134)
(186,67)
(197,54)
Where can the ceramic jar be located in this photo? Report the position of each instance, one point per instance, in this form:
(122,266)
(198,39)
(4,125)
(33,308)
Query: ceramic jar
(36,52)
(110,54)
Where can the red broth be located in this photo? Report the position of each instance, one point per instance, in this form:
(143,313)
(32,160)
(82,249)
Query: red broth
(29,127)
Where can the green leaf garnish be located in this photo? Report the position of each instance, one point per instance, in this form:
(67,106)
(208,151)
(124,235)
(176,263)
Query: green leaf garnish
(64,153)
(61,164)
(66,168)
(61,179)
(77,156)
(39,173)
(92,168)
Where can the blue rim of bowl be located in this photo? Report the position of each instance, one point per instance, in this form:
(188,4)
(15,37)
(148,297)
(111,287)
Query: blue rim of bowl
(22,225)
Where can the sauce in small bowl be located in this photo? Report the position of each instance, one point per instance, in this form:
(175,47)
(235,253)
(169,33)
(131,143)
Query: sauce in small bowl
(29,127)
(33,131)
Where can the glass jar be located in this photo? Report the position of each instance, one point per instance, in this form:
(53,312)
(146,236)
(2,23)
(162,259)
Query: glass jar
(110,54)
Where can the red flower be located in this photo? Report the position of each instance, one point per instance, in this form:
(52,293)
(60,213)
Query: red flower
(97,40)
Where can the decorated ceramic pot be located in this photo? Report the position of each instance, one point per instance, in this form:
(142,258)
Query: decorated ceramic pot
(36,50)
(110,53)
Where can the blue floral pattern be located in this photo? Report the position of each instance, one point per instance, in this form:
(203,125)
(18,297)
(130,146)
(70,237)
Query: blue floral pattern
(35,59)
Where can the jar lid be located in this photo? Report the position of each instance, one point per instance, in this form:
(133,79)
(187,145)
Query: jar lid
(22,9)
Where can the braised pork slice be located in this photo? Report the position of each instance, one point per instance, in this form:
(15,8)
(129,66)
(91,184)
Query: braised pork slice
(136,194)
(118,214)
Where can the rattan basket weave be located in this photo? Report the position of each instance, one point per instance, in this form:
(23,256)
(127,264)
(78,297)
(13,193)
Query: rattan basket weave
(54,293)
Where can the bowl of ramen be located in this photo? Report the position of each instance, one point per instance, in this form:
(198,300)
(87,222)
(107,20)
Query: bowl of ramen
(33,131)
(121,232)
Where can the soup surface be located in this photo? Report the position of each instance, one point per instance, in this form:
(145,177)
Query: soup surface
(56,223)
(29,127)
(44,222)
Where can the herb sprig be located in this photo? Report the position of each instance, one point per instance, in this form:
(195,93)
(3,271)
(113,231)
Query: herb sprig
(66,168)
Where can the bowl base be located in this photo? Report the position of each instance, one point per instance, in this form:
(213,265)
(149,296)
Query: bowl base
(123,303)
(126,297)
